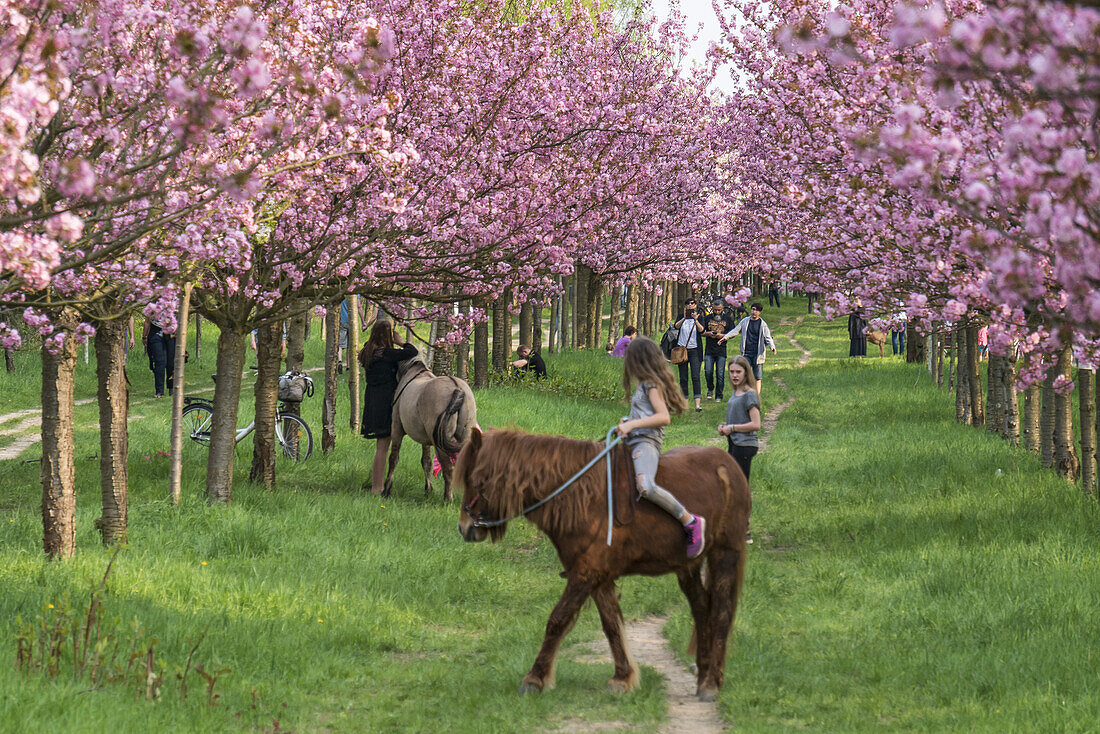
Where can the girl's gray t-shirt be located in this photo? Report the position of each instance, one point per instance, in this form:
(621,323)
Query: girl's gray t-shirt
(737,411)
(640,407)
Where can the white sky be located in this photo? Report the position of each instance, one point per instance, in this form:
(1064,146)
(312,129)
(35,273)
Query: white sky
(697,12)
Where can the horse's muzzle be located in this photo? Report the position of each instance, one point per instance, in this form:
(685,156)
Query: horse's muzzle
(471,533)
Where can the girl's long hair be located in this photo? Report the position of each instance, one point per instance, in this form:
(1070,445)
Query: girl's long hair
(643,362)
(750,378)
(381,337)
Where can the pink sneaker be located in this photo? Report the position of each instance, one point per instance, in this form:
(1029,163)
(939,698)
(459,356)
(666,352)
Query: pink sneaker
(696,539)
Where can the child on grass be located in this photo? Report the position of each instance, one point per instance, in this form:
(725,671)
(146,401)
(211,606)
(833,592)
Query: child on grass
(655,393)
(742,415)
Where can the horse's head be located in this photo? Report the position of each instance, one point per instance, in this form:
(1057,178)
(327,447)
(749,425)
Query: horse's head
(415,364)
(471,476)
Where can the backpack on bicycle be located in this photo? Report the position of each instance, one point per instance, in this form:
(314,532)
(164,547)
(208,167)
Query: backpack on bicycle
(295,386)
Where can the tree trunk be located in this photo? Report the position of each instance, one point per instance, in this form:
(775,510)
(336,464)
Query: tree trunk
(526,325)
(633,302)
(1086,383)
(1065,455)
(355,410)
(555,311)
(462,359)
(1033,408)
(268,358)
(114,441)
(654,317)
(443,357)
(1011,423)
(615,299)
(58,472)
(962,387)
(565,319)
(175,470)
(481,348)
(328,402)
(9,359)
(671,312)
(592,312)
(994,401)
(499,355)
(582,314)
(974,377)
(536,326)
(198,330)
(509,344)
(915,345)
(954,354)
(1046,419)
(223,429)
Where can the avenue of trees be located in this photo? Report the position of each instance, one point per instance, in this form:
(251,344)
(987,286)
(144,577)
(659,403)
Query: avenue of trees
(471,164)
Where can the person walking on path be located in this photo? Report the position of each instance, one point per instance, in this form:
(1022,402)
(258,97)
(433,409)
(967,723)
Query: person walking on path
(161,349)
(742,417)
(856,336)
(897,334)
(755,338)
(379,357)
(717,323)
(624,342)
(773,293)
(690,334)
(653,394)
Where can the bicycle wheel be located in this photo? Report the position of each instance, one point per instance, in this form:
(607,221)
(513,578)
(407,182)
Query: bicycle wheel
(294,437)
(197,419)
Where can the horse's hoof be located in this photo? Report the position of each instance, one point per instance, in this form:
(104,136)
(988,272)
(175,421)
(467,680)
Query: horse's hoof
(386,492)
(621,685)
(706,696)
(528,687)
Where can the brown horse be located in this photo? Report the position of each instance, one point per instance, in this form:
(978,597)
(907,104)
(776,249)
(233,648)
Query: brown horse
(504,472)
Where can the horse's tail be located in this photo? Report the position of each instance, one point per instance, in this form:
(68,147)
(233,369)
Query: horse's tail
(443,435)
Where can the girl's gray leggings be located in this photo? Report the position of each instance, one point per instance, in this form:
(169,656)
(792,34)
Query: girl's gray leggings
(646,456)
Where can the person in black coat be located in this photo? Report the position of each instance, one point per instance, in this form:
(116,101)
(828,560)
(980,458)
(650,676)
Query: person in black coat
(379,358)
(161,349)
(857,338)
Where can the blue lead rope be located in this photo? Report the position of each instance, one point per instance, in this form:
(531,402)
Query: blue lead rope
(609,443)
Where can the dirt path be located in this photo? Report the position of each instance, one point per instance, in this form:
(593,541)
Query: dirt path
(648,646)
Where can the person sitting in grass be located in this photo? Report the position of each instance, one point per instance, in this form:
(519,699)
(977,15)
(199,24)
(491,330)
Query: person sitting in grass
(530,362)
(620,346)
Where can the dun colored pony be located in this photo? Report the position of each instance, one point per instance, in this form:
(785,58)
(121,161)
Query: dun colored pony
(504,472)
(433,411)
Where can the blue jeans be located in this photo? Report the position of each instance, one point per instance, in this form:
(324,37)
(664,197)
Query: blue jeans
(897,339)
(716,378)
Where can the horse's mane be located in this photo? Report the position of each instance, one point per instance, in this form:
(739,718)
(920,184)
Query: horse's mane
(514,469)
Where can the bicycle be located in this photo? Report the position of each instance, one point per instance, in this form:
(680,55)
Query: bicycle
(291,432)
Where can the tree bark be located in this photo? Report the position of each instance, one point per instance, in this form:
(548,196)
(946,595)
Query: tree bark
(974,377)
(223,429)
(268,359)
(615,300)
(994,400)
(1046,419)
(481,348)
(328,402)
(566,334)
(462,358)
(633,302)
(1012,403)
(1065,455)
(499,354)
(1033,408)
(58,471)
(9,359)
(114,440)
(443,358)
(1086,386)
(582,313)
(355,411)
(555,311)
(198,329)
(526,325)
(175,469)
(592,312)
(509,345)
(962,387)
(915,345)
(536,326)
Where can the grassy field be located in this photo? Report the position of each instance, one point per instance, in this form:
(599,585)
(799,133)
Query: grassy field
(908,574)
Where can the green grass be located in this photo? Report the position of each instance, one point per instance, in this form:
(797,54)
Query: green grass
(898,582)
